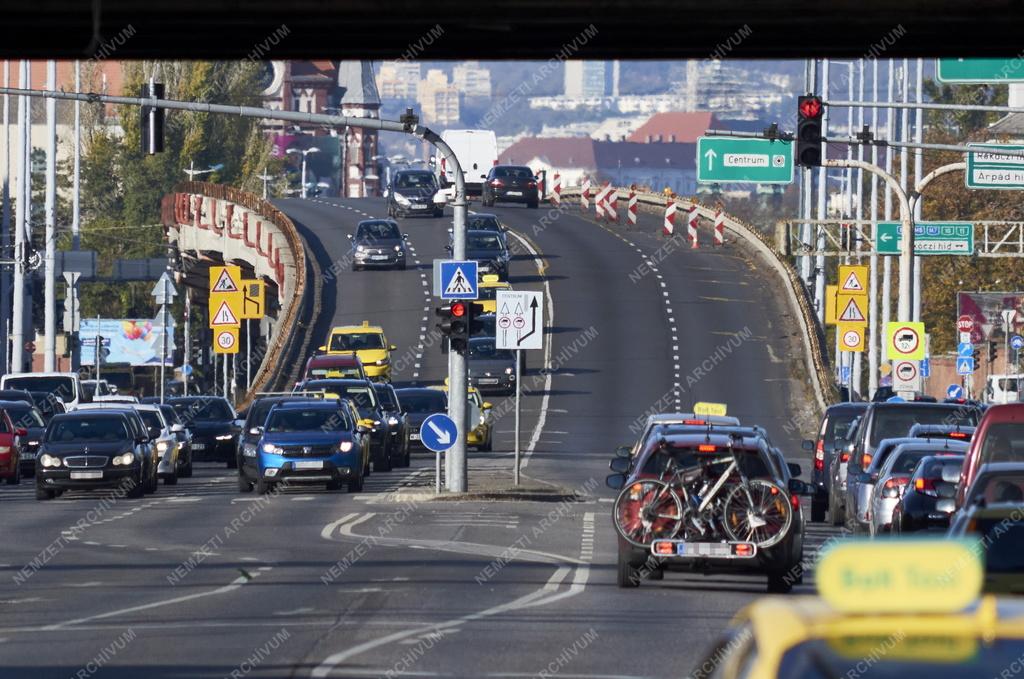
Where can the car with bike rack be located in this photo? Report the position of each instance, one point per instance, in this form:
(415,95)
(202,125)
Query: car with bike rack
(708,502)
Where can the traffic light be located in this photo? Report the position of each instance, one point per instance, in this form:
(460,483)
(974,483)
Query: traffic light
(151,124)
(454,325)
(976,356)
(808,130)
(476,326)
(993,351)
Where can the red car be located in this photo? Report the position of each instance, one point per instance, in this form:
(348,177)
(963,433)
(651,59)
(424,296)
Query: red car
(10,450)
(998,438)
(345,366)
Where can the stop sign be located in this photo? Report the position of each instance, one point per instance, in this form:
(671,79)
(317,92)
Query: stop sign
(965,324)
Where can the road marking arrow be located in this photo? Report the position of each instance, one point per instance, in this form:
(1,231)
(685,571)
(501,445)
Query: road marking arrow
(710,154)
(443,437)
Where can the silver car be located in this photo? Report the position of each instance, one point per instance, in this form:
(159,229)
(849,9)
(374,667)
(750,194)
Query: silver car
(894,475)
(860,483)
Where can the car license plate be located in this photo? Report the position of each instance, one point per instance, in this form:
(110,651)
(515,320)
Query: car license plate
(419,207)
(488,380)
(513,193)
(309,464)
(86,475)
(378,258)
(712,549)
(198,446)
(414,437)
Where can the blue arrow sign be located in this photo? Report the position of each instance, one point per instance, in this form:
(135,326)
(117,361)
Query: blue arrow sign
(964,366)
(458,279)
(1017,342)
(965,350)
(954,391)
(438,432)
(926,367)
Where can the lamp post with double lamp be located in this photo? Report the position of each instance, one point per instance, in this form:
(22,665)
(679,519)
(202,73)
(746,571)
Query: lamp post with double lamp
(304,152)
(266,178)
(192,172)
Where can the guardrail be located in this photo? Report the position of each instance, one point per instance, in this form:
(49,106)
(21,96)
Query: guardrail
(290,268)
(815,356)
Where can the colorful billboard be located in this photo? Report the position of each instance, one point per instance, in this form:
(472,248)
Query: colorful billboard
(133,342)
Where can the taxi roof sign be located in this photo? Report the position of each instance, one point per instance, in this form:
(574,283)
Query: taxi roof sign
(921,576)
(703,408)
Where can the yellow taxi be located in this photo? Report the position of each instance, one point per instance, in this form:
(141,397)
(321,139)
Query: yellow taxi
(488,292)
(481,435)
(890,609)
(369,345)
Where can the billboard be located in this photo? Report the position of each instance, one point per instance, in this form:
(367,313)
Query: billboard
(986,310)
(134,342)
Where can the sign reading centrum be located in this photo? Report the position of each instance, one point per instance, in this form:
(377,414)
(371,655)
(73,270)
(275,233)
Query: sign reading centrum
(728,159)
(993,170)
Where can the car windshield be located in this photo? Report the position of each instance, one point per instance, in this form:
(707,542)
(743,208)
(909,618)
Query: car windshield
(356,341)
(486,349)
(1002,539)
(378,231)
(151,419)
(487,322)
(998,487)
(515,173)
(24,416)
(83,429)
(386,396)
(311,419)
(203,410)
(170,414)
(838,425)
(62,388)
(898,656)
(415,180)
(482,223)
(896,422)
(483,241)
(1004,442)
(932,467)
(426,401)
(362,397)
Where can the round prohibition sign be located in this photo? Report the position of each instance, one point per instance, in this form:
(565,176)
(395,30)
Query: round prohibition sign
(504,322)
(519,322)
(225,339)
(851,338)
(906,340)
(906,371)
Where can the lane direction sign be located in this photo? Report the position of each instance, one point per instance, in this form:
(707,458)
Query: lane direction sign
(519,321)
(1017,342)
(930,238)
(954,391)
(964,350)
(439,432)
(731,159)
(254,295)
(991,169)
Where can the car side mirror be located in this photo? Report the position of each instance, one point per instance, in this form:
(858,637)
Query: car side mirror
(615,481)
(798,487)
(807,445)
(392,347)
(619,464)
(323,348)
(177,428)
(794,469)
(21,431)
(624,451)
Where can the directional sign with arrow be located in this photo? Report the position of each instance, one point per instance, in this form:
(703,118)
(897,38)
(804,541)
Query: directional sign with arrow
(439,432)
(519,322)
(164,291)
(731,159)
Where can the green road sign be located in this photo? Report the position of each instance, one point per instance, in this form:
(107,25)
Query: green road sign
(930,238)
(982,71)
(728,159)
(993,170)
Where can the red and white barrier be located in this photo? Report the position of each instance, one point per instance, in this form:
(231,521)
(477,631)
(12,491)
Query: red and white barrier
(611,205)
(556,190)
(670,217)
(585,195)
(599,204)
(631,209)
(719,227)
(691,229)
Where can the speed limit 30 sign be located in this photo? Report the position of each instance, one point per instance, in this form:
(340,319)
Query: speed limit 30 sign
(225,341)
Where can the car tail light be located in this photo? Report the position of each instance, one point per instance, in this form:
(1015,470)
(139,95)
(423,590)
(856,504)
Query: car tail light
(819,456)
(531,184)
(795,501)
(865,460)
(698,422)
(844,457)
(743,549)
(926,486)
(664,548)
(706,448)
(893,485)
(958,435)
(497,183)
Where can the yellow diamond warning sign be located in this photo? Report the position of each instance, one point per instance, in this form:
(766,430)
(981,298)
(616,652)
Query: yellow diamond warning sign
(224,316)
(853,279)
(851,308)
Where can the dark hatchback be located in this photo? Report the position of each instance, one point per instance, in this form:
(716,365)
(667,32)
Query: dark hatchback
(491,370)
(378,242)
(95,449)
(398,423)
(418,403)
(413,192)
(927,501)
(510,184)
(489,251)
(25,416)
(214,427)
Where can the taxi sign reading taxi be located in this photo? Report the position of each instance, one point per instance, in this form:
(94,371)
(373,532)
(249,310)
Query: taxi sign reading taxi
(930,238)
(730,159)
(918,576)
(225,341)
(905,340)
(438,432)
(705,408)
(987,168)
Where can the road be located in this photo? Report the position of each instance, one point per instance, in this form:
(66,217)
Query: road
(199,581)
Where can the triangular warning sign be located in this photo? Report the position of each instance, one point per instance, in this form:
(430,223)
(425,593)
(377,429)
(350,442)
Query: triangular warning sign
(458,285)
(224,316)
(224,283)
(852,312)
(852,283)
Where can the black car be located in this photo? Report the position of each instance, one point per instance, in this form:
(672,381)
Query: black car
(934,479)
(96,449)
(378,242)
(418,403)
(364,398)
(835,425)
(214,427)
(483,221)
(510,184)
(491,370)
(26,416)
(398,427)
(256,417)
(414,192)
(490,252)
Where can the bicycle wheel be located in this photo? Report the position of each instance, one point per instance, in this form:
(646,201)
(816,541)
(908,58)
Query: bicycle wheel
(646,510)
(758,512)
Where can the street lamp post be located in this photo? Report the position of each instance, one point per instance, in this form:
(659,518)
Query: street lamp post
(265,177)
(304,152)
(192,172)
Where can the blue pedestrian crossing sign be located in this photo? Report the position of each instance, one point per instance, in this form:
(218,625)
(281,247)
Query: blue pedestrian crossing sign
(439,432)
(965,350)
(954,391)
(458,279)
(964,366)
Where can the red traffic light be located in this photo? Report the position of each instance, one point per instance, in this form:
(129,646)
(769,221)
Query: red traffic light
(809,107)
(458,309)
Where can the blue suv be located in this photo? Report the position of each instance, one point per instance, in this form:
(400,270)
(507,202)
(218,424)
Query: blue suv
(310,442)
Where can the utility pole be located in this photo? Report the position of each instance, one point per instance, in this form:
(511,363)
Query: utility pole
(890,129)
(873,263)
(77,177)
(918,172)
(904,308)
(185,363)
(806,184)
(819,281)
(20,220)
(5,227)
(50,233)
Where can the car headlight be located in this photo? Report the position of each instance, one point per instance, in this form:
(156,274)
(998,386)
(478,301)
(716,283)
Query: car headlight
(32,443)
(122,460)
(401,200)
(383,361)
(272,449)
(439,197)
(393,421)
(49,460)
(224,437)
(360,248)
(248,450)
(509,371)
(345,446)
(162,446)
(398,249)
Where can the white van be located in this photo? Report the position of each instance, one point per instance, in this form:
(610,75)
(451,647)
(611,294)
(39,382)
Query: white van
(1002,388)
(66,387)
(477,151)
